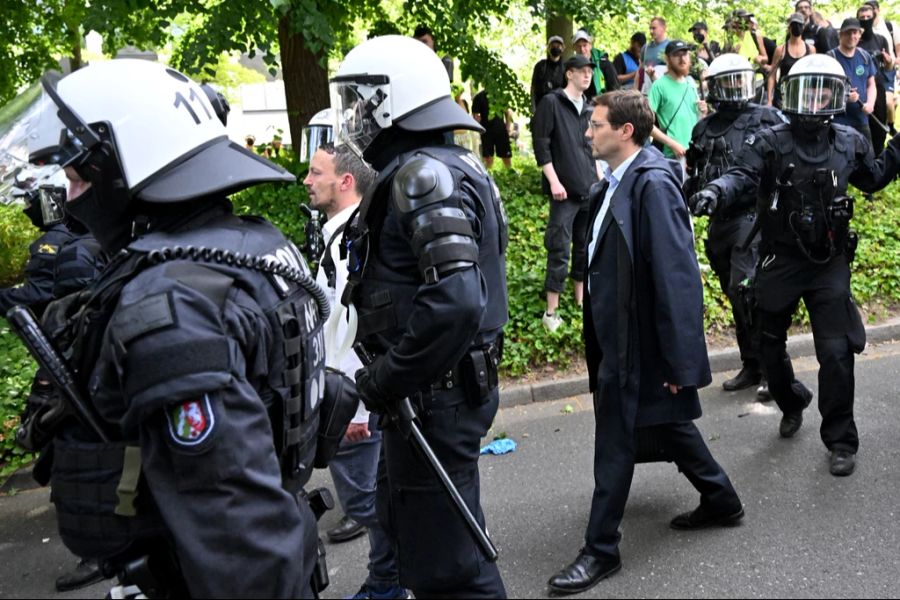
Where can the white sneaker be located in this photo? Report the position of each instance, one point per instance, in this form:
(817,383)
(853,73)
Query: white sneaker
(551,322)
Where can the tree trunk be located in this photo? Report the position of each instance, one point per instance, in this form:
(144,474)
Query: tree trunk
(561,25)
(305,80)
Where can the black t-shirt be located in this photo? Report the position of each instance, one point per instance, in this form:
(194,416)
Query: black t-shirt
(481,108)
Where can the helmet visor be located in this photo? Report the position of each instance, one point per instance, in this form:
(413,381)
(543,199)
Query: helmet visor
(814,95)
(362,108)
(737,86)
(314,137)
(18,125)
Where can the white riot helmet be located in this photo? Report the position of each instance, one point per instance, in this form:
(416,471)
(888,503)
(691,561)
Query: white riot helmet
(392,81)
(155,124)
(730,80)
(816,86)
(320,131)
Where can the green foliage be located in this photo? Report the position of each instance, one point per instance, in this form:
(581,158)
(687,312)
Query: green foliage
(526,342)
(279,203)
(16,371)
(876,272)
(16,233)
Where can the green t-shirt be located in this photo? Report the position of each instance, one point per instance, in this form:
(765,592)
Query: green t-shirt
(676,118)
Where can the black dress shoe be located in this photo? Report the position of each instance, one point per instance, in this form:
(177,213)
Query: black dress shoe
(790,423)
(701,518)
(748,376)
(346,530)
(583,574)
(83,575)
(842,463)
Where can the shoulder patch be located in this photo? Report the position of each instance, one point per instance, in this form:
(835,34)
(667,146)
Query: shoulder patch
(48,249)
(191,422)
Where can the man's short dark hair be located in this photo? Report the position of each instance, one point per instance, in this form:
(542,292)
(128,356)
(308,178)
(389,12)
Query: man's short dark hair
(864,8)
(346,161)
(628,106)
(873,3)
(422,30)
(799,2)
(639,37)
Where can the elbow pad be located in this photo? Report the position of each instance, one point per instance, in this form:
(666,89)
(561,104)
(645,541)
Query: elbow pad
(427,199)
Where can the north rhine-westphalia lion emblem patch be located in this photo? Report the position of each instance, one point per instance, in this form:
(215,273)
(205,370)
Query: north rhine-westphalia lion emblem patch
(191,422)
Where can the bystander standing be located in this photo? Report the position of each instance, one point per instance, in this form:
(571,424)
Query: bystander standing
(628,63)
(674,100)
(564,156)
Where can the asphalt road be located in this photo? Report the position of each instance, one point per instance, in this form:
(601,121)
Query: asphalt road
(806,533)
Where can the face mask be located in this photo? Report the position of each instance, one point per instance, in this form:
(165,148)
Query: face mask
(866,25)
(555,51)
(108,221)
(796,29)
(699,37)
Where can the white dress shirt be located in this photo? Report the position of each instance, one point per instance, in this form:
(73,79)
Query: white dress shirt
(349,363)
(614,178)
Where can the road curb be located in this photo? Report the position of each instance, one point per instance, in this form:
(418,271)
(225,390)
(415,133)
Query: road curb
(726,359)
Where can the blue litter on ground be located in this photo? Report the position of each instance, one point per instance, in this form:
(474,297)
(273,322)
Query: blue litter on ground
(500,447)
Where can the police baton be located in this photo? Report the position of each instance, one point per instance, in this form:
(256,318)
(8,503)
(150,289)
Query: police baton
(406,413)
(29,331)
(872,116)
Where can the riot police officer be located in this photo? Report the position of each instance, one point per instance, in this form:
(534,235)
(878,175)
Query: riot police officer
(64,258)
(801,171)
(715,142)
(199,347)
(428,280)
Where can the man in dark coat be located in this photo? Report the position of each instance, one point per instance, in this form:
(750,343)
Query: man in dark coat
(643,330)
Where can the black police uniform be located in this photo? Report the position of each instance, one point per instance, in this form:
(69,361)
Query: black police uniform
(432,303)
(715,142)
(206,370)
(36,290)
(805,253)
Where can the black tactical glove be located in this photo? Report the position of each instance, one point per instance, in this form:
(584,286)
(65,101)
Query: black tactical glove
(369,392)
(704,202)
(44,410)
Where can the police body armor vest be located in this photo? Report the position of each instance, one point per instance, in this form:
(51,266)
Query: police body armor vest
(720,137)
(384,297)
(103,505)
(819,175)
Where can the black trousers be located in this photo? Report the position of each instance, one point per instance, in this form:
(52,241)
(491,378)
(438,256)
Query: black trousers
(437,556)
(732,265)
(566,235)
(783,280)
(614,469)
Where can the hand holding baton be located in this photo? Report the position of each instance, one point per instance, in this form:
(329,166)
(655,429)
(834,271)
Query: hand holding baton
(405,416)
(29,331)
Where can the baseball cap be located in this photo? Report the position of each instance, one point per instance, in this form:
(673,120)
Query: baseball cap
(796,18)
(578,61)
(698,26)
(678,46)
(850,24)
(581,34)
(556,38)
